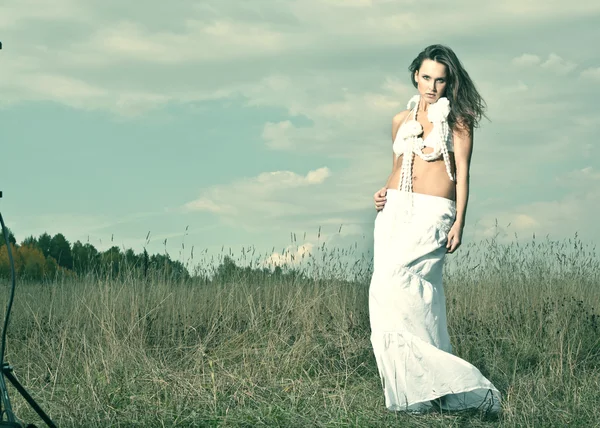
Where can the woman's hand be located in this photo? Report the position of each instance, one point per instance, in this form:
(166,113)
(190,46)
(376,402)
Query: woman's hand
(379,198)
(454,237)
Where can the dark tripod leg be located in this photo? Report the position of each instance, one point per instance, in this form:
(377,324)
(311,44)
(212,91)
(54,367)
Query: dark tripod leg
(8,372)
(11,420)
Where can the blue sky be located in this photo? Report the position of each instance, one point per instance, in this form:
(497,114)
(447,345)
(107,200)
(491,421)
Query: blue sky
(245,122)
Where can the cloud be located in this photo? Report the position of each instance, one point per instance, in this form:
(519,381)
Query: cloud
(524,222)
(272,195)
(341,120)
(204,204)
(545,10)
(591,73)
(275,136)
(526,60)
(277,180)
(353,3)
(553,63)
(196,40)
(557,64)
(558,219)
(561,217)
(580,177)
(197,50)
(73,91)
(291,256)
(21,13)
(318,176)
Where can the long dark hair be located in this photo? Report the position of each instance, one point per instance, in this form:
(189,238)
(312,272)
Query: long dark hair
(466,105)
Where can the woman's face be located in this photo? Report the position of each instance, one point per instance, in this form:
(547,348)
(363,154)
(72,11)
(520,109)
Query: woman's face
(431,80)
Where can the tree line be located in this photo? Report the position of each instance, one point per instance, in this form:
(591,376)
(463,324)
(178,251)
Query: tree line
(48,258)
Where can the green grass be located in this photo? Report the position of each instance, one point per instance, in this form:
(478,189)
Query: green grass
(296,353)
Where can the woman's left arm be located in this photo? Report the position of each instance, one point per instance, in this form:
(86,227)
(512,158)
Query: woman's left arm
(463,148)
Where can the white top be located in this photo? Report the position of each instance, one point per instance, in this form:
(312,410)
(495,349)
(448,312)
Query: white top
(400,141)
(409,142)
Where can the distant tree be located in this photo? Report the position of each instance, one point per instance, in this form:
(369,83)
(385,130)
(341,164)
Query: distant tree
(177,271)
(11,237)
(131,258)
(51,268)
(227,269)
(5,270)
(159,263)
(31,241)
(44,244)
(111,260)
(113,254)
(60,249)
(85,257)
(164,266)
(34,263)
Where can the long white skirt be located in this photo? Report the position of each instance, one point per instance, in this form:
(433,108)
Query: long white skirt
(407,309)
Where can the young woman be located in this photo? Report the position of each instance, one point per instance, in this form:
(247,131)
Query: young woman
(421,215)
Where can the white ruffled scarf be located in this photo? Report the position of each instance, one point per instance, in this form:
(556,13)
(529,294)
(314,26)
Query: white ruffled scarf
(437,113)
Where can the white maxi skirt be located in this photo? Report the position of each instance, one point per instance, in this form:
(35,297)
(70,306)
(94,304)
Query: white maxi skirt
(407,310)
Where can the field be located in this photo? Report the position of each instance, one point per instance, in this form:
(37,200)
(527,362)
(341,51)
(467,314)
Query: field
(295,352)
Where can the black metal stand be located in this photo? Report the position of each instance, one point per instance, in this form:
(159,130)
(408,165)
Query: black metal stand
(7,370)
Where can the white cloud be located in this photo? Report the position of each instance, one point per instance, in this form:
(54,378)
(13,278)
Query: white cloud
(291,256)
(318,176)
(131,104)
(73,91)
(559,218)
(557,64)
(353,3)
(109,46)
(592,73)
(19,13)
(540,10)
(288,179)
(204,204)
(334,110)
(524,222)
(395,86)
(553,63)
(273,195)
(579,178)
(275,136)
(526,60)
(195,41)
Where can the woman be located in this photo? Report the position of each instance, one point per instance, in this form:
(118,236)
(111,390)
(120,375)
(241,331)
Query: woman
(421,215)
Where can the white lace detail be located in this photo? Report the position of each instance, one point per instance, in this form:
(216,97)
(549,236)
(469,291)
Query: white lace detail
(437,113)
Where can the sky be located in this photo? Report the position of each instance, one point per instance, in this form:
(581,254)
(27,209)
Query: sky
(228,125)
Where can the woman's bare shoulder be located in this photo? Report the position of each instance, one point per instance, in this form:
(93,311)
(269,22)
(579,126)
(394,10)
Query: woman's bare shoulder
(399,117)
(397,120)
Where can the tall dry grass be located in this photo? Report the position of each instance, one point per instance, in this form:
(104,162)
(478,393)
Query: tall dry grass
(296,352)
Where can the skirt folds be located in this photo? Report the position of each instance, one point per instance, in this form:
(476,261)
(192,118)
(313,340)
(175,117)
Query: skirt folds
(407,310)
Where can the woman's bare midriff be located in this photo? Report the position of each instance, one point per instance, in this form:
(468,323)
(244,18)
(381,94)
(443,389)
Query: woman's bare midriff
(429,178)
